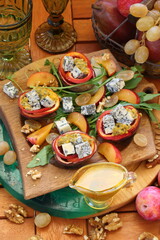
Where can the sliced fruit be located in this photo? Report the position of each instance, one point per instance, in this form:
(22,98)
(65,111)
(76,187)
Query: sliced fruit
(128,96)
(110,66)
(78,120)
(38,137)
(97,97)
(42,79)
(110,152)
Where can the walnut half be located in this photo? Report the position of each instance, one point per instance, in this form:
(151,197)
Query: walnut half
(147,236)
(16,213)
(73,229)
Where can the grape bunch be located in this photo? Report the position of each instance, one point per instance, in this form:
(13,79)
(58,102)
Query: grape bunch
(148,26)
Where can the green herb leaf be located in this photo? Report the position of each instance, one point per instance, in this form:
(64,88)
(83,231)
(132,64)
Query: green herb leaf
(42,158)
(148,96)
(131,84)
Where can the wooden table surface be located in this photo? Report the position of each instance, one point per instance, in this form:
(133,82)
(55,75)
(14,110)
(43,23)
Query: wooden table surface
(78,12)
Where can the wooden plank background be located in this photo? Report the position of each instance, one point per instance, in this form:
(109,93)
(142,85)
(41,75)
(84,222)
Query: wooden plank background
(78,12)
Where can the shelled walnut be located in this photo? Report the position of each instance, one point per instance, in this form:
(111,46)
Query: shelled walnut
(16,213)
(73,229)
(100,226)
(147,236)
(36,237)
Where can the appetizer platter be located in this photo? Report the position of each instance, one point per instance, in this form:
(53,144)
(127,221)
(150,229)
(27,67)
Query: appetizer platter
(72,140)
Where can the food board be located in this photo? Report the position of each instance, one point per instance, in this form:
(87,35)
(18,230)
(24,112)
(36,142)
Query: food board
(54,178)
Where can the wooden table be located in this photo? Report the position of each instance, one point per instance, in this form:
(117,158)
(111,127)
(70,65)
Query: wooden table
(78,13)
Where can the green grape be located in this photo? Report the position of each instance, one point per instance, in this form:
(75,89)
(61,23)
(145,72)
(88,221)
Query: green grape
(131,46)
(138,10)
(4,147)
(155,14)
(126,75)
(157,5)
(144,23)
(153,34)
(9,157)
(141,54)
(42,220)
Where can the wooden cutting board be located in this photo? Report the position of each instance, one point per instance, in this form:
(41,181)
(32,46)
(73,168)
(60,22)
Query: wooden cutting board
(54,178)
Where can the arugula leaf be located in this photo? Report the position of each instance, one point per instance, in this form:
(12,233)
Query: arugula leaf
(42,158)
(131,84)
(148,96)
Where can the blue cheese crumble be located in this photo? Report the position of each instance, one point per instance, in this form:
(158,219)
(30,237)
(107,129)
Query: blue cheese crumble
(108,123)
(63,126)
(67,104)
(68,63)
(68,149)
(121,115)
(10,90)
(115,85)
(88,109)
(76,72)
(47,102)
(83,149)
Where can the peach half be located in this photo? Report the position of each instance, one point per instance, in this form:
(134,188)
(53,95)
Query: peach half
(38,137)
(97,97)
(110,152)
(42,79)
(78,120)
(128,95)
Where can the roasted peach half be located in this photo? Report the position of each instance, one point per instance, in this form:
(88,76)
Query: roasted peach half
(133,127)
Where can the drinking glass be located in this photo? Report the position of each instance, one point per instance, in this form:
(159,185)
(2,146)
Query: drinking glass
(99,182)
(55,35)
(15,28)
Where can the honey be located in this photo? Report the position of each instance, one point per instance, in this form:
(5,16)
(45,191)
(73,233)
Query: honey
(100,178)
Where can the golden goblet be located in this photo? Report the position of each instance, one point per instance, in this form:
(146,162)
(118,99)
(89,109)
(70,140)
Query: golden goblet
(55,35)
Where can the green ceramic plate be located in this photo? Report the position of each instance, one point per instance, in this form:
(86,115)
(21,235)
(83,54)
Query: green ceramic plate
(65,203)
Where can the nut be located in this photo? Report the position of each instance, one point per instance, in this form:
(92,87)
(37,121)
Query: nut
(27,129)
(100,226)
(153,163)
(147,236)
(16,213)
(111,221)
(36,237)
(97,234)
(35,148)
(73,229)
(34,173)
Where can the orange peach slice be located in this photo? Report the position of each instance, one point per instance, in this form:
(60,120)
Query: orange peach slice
(38,137)
(78,120)
(110,152)
(42,79)
(96,98)
(110,66)
(128,96)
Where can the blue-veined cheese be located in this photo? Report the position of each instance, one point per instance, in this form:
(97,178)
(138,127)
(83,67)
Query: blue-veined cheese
(108,123)
(88,109)
(76,72)
(68,149)
(83,149)
(10,90)
(115,85)
(68,63)
(35,105)
(67,104)
(32,96)
(47,102)
(78,140)
(63,126)
(121,115)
